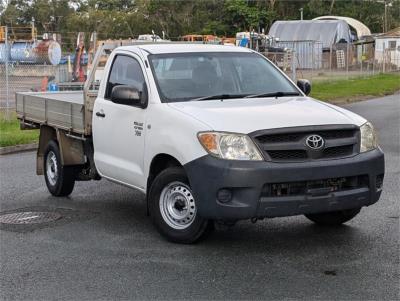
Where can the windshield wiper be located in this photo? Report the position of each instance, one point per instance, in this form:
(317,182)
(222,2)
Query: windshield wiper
(220,96)
(274,94)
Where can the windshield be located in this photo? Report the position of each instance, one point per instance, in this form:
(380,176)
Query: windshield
(191,76)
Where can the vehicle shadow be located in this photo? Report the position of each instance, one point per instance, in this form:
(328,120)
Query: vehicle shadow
(290,234)
(124,213)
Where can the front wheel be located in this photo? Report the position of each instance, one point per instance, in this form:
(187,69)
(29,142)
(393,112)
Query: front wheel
(173,208)
(334,218)
(60,180)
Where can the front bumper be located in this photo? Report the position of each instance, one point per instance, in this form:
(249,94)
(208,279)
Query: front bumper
(246,182)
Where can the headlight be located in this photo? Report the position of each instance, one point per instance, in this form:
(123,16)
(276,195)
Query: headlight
(229,146)
(369,139)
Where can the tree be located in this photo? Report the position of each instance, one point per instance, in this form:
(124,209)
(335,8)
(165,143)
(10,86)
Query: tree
(129,18)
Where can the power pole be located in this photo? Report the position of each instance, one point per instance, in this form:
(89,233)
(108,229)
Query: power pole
(301,13)
(385,21)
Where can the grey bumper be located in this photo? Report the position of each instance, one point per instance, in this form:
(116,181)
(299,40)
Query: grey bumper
(246,183)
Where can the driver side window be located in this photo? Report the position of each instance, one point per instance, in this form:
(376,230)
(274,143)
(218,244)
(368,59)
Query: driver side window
(125,70)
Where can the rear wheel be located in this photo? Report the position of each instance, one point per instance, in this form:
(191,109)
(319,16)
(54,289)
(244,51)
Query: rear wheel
(173,207)
(60,180)
(334,218)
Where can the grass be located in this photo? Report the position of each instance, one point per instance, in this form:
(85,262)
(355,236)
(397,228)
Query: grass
(356,88)
(334,91)
(10,133)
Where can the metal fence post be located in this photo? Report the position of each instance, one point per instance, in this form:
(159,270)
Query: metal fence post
(373,63)
(6,65)
(330,61)
(383,61)
(361,59)
(94,42)
(312,57)
(347,60)
(294,78)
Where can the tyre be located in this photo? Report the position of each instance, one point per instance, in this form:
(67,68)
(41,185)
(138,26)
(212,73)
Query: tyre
(60,180)
(173,208)
(334,218)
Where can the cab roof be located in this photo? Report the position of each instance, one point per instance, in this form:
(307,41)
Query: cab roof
(160,48)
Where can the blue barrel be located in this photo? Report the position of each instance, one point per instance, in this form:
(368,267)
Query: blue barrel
(4,53)
(23,52)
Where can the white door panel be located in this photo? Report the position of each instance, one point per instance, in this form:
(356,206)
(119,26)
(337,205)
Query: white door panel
(118,135)
(119,147)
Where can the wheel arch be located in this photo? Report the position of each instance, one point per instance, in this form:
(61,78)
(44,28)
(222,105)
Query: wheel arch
(47,133)
(71,150)
(159,163)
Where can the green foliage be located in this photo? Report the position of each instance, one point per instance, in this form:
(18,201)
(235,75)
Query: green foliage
(127,18)
(10,133)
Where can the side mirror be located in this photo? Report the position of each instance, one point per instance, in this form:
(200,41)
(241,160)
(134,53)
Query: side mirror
(130,95)
(304,86)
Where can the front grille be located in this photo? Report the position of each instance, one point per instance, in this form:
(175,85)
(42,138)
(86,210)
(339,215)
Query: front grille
(290,137)
(288,154)
(279,138)
(338,151)
(287,145)
(314,187)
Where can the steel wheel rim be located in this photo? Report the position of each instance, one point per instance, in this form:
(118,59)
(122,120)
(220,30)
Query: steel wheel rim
(177,205)
(52,168)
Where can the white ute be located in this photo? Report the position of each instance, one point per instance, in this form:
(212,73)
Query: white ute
(210,134)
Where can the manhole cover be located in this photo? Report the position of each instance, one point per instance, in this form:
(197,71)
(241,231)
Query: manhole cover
(19,218)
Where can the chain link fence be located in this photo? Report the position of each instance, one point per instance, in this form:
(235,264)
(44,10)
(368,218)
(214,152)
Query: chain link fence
(308,59)
(32,63)
(27,69)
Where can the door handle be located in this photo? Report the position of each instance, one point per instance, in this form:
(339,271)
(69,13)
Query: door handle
(100,114)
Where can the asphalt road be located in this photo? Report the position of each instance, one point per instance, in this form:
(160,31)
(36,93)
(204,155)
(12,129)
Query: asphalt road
(105,247)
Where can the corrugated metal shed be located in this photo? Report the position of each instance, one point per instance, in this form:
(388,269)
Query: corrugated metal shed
(308,54)
(361,28)
(328,32)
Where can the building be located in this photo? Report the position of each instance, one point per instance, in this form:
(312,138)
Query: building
(358,29)
(387,48)
(328,32)
(312,41)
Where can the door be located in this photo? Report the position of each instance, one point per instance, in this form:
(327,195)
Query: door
(119,129)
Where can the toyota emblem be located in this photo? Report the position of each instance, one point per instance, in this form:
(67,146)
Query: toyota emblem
(315,142)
